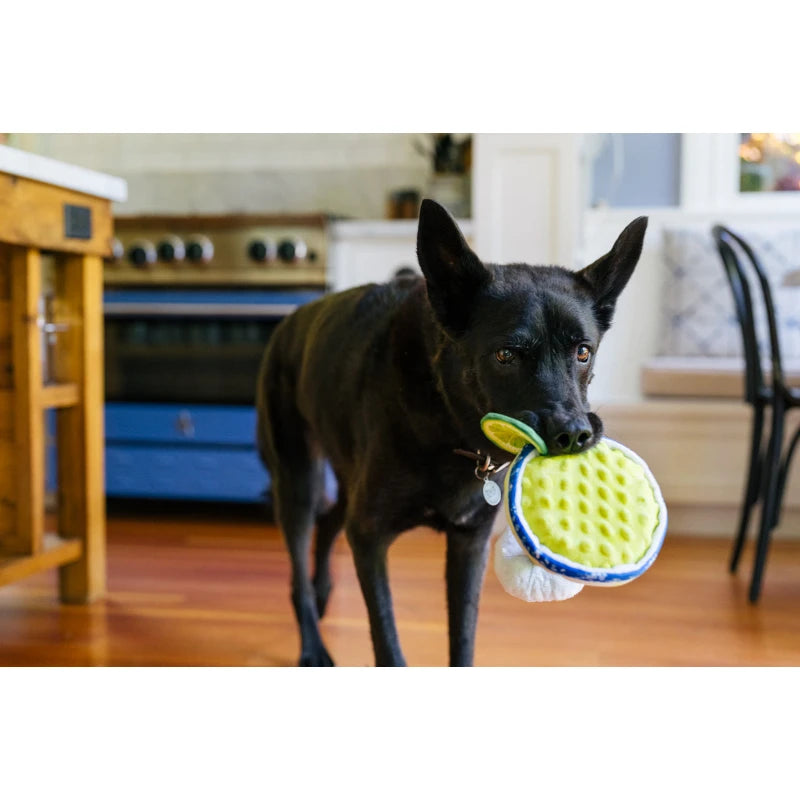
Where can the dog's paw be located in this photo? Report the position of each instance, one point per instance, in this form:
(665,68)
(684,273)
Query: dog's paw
(316,658)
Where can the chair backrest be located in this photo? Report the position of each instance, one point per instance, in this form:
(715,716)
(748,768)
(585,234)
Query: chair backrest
(728,243)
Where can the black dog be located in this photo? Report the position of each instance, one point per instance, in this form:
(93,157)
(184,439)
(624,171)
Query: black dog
(386,381)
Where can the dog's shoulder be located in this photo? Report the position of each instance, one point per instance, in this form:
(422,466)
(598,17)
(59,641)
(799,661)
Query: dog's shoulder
(380,298)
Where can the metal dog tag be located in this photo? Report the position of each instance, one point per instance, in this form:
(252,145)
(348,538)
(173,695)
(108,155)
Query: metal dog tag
(491,492)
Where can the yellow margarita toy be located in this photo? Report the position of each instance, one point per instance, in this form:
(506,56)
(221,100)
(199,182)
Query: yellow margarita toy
(595,517)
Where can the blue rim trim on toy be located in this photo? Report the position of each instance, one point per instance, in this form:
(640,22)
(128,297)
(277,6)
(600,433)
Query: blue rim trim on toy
(562,565)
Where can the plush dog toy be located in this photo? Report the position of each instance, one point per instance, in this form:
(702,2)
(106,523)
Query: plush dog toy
(596,517)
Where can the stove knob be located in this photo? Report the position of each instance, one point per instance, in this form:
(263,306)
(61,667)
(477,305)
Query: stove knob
(117,253)
(261,250)
(200,250)
(142,254)
(171,250)
(291,250)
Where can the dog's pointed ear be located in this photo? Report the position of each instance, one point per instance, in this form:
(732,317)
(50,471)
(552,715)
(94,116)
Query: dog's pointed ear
(608,275)
(453,272)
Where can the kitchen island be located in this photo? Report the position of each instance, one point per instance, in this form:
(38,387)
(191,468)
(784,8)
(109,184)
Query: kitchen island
(48,206)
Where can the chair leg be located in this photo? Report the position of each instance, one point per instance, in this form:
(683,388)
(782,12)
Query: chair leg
(784,474)
(752,489)
(772,466)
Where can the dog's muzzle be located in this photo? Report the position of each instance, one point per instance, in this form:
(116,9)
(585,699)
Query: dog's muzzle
(564,432)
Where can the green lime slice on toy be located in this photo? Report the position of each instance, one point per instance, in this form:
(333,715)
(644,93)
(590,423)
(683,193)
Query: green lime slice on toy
(510,434)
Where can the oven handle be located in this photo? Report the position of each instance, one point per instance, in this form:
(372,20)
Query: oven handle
(249,310)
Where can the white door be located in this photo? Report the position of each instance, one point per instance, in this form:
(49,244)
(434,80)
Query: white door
(526,197)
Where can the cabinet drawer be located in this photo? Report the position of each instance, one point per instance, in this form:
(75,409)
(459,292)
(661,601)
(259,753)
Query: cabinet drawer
(186,473)
(180,424)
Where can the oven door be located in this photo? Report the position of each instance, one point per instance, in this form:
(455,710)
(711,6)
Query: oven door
(190,346)
(181,369)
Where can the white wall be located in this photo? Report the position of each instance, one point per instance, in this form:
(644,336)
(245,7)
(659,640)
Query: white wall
(633,336)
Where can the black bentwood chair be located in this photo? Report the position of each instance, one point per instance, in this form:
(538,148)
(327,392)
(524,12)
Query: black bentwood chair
(769,463)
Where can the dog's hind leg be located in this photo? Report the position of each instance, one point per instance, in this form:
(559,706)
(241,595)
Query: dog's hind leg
(329,525)
(296,491)
(294,494)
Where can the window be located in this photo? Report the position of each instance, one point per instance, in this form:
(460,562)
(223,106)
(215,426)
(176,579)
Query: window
(769,162)
(725,173)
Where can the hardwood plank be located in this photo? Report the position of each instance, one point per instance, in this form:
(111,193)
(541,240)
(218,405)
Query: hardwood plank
(56,395)
(60,395)
(665,382)
(705,378)
(32,214)
(6,415)
(8,489)
(5,272)
(212,588)
(80,428)
(26,275)
(5,316)
(8,511)
(55,552)
(6,346)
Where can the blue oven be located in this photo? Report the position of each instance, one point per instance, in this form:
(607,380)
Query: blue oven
(180,370)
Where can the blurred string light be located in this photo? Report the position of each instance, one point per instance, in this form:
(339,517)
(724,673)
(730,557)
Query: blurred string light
(770,162)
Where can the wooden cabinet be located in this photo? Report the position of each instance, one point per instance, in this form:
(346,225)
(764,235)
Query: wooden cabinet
(76,226)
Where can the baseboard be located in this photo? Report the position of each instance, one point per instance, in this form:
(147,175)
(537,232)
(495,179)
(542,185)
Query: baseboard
(722,522)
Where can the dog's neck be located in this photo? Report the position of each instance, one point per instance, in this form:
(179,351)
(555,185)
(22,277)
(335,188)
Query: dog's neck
(424,349)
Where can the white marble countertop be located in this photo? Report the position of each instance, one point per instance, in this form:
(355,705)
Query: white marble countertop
(57,173)
(384,228)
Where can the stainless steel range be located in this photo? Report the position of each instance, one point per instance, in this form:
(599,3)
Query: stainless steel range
(236,250)
(190,303)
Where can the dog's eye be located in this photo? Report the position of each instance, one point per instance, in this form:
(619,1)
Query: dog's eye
(583,353)
(504,355)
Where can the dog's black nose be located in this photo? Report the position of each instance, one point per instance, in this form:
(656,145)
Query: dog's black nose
(570,436)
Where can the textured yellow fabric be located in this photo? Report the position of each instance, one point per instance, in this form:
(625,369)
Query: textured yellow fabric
(596,508)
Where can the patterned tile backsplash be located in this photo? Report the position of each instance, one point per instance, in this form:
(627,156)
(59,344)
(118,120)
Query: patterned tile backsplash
(698,312)
(348,174)
(356,192)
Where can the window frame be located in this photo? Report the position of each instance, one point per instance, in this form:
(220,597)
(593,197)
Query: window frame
(710,178)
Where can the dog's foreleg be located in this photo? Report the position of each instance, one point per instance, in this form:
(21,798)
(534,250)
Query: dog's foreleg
(369,553)
(467,553)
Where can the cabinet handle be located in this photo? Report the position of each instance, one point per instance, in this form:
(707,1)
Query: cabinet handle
(185,424)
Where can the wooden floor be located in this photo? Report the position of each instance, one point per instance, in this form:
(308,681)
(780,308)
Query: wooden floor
(185,590)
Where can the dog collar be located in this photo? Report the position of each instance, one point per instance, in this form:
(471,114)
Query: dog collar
(484,469)
(484,466)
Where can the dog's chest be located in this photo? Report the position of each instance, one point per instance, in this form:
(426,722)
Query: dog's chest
(459,500)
